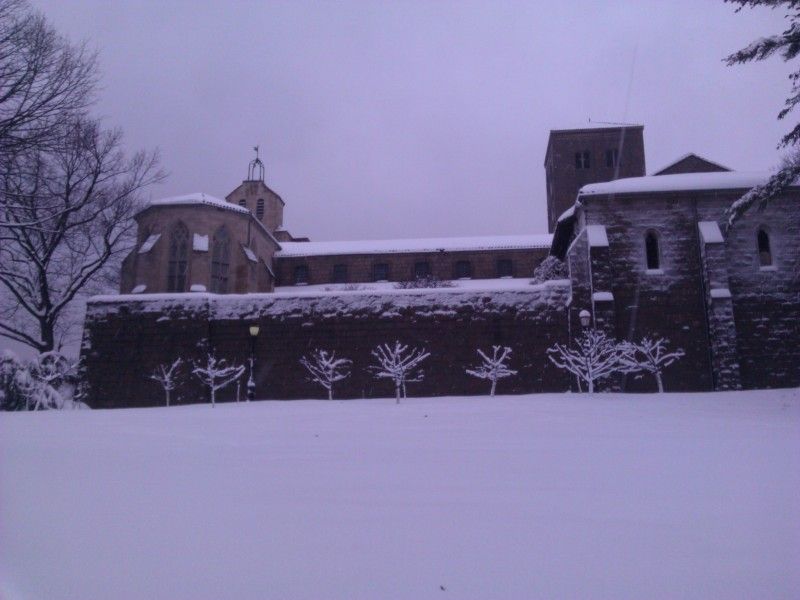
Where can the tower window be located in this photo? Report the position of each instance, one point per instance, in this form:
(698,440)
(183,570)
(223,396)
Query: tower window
(652,251)
(505,268)
(582,160)
(301,275)
(260,208)
(764,249)
(380,272)
(220,261)
(242,202)
(612,157)
(178,253)
(462,270)
(422,269)
(339,273)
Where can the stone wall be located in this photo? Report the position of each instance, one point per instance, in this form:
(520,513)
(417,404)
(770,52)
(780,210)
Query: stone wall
(126,337)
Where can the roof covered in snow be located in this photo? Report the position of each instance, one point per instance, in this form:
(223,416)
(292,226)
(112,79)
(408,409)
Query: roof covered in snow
(724,180)
(495,242)
(714,166)
(196,198)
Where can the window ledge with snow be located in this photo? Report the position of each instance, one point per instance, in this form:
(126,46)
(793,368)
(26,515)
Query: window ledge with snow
(197,287)
(654,271)
(603,297)
(139,289)
(720,293)
(768,268)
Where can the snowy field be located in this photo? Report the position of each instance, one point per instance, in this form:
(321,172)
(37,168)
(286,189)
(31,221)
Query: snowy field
(677,496)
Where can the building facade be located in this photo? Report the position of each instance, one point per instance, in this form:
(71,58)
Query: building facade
(647,256)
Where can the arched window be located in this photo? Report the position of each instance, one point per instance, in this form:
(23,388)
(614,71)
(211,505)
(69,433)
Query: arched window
(652,252)
(178,256)
(582,160)
(220,261)
(301,275)
(764,248)
(260,208)
(463,270)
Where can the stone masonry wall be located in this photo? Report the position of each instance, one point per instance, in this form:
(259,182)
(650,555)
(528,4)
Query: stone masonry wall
(126,337)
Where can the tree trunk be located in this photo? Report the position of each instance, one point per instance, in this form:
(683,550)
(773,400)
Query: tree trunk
(590,385)
(213,397)
(659,382)
(397,393)
(166,392)
(330,393)
(494,386)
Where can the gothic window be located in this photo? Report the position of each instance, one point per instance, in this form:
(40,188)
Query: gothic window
(612,157)
(764,248)
(178,257)
(505,268)
(260,208)
(582,160)
(380,272)
(339,273)
(301,275)
(242,202)
(422,269)
(463,269)
(220,261)
(652,251)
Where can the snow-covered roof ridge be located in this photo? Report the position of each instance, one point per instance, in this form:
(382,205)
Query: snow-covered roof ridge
(726,180)
(398,246)
(687,155)
(196,198)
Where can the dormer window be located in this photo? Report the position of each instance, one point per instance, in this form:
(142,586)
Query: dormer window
(652,251)
(582,160)
(764,248)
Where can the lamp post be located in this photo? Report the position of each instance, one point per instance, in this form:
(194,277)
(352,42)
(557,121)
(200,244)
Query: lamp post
(251,384)
(585,317)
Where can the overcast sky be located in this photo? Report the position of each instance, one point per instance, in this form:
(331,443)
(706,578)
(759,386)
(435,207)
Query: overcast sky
(407,119)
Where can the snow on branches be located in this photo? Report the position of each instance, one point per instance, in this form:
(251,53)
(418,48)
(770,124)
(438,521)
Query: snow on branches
(400,364)
(594,357)
(493,367)
(325,369)
(34,385)
(167,376)
(650,355)
(216,374)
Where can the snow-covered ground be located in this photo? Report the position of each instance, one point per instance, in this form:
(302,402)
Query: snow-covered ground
(611,496)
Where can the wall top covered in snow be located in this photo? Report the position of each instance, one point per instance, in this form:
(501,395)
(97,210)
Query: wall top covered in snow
(676,183)
(385,303)
(196,198)
(495,242)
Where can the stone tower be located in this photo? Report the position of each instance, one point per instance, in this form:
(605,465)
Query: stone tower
(253,194)
(593,154)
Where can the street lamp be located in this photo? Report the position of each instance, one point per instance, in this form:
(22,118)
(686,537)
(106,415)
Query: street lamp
(586,317)
(251,384)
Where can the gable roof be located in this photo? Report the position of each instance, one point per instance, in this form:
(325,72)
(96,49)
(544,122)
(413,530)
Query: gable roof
(691,163)
(722,180)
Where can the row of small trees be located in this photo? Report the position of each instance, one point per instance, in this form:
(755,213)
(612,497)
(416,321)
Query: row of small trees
(593,357)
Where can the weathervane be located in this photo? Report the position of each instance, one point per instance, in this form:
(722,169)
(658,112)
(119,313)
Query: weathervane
(255,164)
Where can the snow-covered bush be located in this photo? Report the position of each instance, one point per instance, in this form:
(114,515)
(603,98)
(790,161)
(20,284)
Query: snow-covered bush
(400,364)
(594,357)
(167,376)
(493,367)
(550,268)
(325,369)
(216,374)
(429,281)
(650,355)
(34,385)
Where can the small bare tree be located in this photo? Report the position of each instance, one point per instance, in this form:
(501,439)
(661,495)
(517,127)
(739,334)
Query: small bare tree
(494,367)
(216,374)
(650,355)
(325,369)
(594,357)
(167,376)
(400,364)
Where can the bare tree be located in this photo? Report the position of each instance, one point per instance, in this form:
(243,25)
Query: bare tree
(650,355)
(494,367)
(167,376)
(45,81)
(400,364)
(92,189)
(217,374)
(326,369)
(594,357)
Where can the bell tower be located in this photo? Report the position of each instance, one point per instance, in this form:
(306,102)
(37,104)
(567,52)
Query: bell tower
(257,197)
